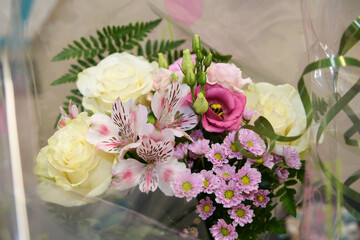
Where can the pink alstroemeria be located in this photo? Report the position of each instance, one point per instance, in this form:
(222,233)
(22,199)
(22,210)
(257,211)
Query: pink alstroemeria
(173,111)
(120,132)
(65,118)
(156,149)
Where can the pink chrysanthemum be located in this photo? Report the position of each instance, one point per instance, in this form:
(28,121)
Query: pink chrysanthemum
(216,155)
(260,198)
(181,150)
(241,214)
(187,184)
(226,172)
(252,141)
(211,181)
(228,194)
(282,174)
(248,114)
(205,209)
(277,158)
(200,147)
(230,148)
(190,232)
(223,231)
(197,135)
(267,161)
(292,157)
(248,178)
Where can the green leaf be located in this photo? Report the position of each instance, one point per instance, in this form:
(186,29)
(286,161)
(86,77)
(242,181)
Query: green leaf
(276,226)
(300,174)
(74,99)
(291,182)
(148,48)
(280,192)
(65,79)
(76,92)
(288,201)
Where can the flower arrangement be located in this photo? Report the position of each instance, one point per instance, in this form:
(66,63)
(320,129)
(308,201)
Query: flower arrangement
(189,129)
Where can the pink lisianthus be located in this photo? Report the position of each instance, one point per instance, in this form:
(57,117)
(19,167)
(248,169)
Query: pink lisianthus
(225,108)
(227,75)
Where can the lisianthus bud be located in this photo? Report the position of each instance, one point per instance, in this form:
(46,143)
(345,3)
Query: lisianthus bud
(196,45)
(151,118)
(202,78)
(201,105)
(189,78)
(199,55)
(187,64)
(208,60)
(162,61)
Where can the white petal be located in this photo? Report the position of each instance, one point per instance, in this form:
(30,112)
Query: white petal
(101,128)
(166,171)
(126,173)
(121,116)
(153,151)
(157,104)
(148,181)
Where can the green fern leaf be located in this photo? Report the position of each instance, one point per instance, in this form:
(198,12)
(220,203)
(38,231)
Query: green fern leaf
(68,77)
(288,201)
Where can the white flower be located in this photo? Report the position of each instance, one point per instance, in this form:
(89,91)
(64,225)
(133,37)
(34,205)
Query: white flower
(282,106)
(77,167)
(120,75)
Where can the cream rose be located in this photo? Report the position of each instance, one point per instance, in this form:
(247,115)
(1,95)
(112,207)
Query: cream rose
(79,170)
(118,75)
(281,105)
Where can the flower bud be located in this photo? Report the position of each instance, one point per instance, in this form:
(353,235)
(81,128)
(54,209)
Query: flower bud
(201,105)
(162,61)
(189,78)
(187,64)
(151,118)
(202,78)
(173,77)
(208,60)
(199,55)
(196,45)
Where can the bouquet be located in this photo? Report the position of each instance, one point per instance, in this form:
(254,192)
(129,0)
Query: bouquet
(195,129)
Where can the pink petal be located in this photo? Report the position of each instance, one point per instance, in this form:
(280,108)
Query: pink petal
(122,119)
(113,145)
(101,128)
(148,181)
(73,110)
(152,151)
(166,172)
(126,173)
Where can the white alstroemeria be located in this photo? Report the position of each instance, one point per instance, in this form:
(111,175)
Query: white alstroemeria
(65,118)
(173,111)
(120,132)
(159,165)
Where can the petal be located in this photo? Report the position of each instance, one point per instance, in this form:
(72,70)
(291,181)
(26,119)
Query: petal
(140,119)
(126,173)
(166,172)
(73,110)
(101,128)
(148,181)
(185,119)
(113,145)
(157,104)
(152,151)
(122,119)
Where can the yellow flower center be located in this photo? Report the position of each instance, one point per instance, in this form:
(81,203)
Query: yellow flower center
(250,144)
(233,147)
(240,212)
(206,208)
(206,182)
(245,179)
(186,186)
(225,175)
(229,194)
(261,198)
(224,231)
(217,109)
(218,156)
(260,160)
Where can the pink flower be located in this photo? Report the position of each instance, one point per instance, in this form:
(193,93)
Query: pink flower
(223,231)
(248,178)
(161,79)
(248,114)
(252,142)
(266,160)
(197,135)
(205,209)
(216,155)
(181,150)
(187,184)
(292,157)
(282,173)
(225,108)
(230,148)
(200,147)
(226,172)
(228,194)
(211,181)
(190,232)
(241,214)
(65,118)
(227,75)
(260,198)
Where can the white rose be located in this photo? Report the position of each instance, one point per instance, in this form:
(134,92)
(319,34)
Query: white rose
(118,75)
(76,171)
(282,106)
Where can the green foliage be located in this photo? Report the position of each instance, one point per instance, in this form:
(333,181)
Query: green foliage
(166,47)
(217,57)
(276,226)
(288,200)
(319,106)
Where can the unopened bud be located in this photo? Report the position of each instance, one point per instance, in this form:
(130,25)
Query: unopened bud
(187,63)
(201,105)
(208,60)
(202,78)
(199,55)
(162,61)
(189,78)
(196,45)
